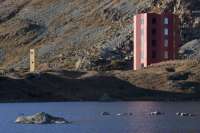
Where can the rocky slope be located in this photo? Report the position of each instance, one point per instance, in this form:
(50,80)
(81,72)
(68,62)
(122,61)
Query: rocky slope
(64,31)
(191,50)
(74,34)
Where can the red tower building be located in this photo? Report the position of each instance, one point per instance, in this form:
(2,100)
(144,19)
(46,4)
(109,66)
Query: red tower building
(156,38)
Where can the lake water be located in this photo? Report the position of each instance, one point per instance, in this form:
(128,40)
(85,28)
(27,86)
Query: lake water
(87,118)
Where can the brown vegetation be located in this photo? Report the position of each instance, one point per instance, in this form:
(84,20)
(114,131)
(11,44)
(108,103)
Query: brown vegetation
(180,76)
(154,83)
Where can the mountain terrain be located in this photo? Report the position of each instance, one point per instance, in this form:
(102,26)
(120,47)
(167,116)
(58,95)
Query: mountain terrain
(81,35)
(84,51)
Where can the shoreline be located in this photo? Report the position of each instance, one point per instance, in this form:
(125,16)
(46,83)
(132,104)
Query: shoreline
(155,83)
(96,101)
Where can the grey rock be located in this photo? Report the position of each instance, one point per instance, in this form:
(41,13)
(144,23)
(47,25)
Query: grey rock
(178,113)
(40,118)
(179,75)
(130,114)
(191,50)
(105,113)
(156,113)
(124,114)
(120,114)
(181,114)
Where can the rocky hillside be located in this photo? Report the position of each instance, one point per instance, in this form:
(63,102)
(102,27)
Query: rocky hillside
(191,50)
(79,34)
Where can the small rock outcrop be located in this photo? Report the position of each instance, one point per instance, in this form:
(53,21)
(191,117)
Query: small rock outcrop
(156,113)
(124,114)
(105,113)
(179,75)
(190,50)
(181,114)
(40,118)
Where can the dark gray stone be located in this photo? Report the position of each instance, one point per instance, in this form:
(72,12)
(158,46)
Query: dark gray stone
(181,114)
(105,113)
(40,118)
(156,113)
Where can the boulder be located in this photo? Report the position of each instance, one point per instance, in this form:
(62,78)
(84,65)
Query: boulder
(124,114)
(105,113)
(179,75)
(156,113)
(178,113)
(40,118)
(130,114)
(183,114)
(190,50)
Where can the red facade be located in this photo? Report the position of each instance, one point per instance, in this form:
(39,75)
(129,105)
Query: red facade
(156,38)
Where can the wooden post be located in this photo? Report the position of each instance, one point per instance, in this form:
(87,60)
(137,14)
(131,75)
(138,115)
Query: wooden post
(32,60)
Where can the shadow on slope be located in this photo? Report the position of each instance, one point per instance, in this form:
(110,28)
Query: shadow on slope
(54,87)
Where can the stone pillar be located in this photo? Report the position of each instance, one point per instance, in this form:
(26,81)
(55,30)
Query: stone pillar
(32,60)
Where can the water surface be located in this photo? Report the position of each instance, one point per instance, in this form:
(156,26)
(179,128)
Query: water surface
(87,118)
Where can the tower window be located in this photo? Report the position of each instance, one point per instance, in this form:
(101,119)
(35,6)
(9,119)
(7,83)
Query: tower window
(166,43)
(153,31)
(154,43)
(153,20)
(166,20)
(166,31)
(153,54)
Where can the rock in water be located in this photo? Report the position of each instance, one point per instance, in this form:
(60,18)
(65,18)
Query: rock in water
(40,118)
(105,113)
(123,114)
(130,114)
(178,113)
(184,114)
(156,113)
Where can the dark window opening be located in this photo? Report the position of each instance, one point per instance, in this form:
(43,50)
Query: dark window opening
(153,54)
(153,31)
(154,43)
(154,21)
